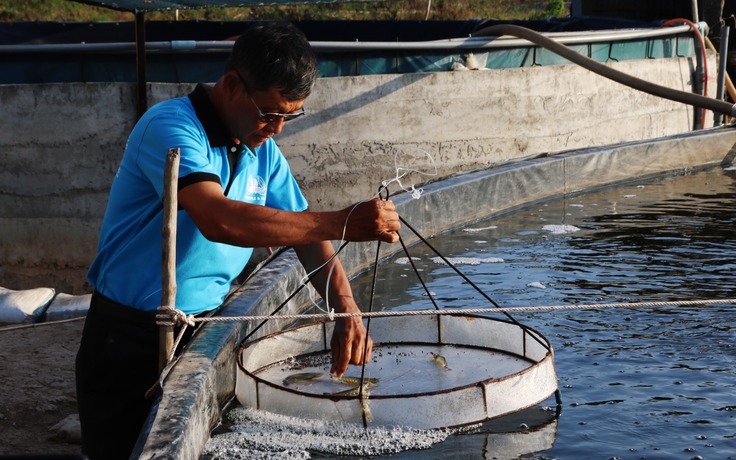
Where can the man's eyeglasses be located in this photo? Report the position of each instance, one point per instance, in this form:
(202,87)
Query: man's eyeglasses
(270,117)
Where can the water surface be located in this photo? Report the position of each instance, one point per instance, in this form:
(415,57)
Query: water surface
(644,383)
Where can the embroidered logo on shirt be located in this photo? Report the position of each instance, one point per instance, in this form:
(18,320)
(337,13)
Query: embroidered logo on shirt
(256,188)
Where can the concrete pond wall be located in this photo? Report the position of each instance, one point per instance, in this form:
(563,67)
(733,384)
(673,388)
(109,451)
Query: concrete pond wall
(60,144)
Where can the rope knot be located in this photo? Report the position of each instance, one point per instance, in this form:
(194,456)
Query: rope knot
(170,316)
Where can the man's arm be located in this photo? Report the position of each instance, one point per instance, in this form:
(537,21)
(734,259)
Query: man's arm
(242,224)
(349,338)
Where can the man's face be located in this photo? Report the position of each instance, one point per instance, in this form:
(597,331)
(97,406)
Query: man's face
(263,114)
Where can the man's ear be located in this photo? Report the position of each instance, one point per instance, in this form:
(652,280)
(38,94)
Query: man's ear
(232,84)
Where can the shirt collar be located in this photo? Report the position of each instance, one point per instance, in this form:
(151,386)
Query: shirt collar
(217,134)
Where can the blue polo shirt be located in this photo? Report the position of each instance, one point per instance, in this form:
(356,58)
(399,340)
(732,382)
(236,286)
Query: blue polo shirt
(127,268)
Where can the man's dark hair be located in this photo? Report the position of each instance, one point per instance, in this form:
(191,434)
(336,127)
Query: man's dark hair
(276,54)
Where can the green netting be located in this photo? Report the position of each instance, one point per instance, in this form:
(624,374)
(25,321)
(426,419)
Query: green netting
(377,62)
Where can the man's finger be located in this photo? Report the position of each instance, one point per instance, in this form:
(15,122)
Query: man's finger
(369,349)
(362,352)
(389,237)
(357,354)
(335,357)
(340,365)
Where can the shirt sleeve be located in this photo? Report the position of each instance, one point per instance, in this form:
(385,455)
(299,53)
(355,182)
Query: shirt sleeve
(172,129)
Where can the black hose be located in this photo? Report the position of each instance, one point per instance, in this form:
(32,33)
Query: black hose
(608,72)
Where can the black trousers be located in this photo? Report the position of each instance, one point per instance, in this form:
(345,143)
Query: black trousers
(116,364)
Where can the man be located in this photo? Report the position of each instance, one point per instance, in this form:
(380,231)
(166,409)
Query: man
(236,192)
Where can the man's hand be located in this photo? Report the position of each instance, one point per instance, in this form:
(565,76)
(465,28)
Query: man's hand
(349,337)
(348,345)
(376,219)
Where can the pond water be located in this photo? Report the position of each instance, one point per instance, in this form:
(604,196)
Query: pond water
(638,383)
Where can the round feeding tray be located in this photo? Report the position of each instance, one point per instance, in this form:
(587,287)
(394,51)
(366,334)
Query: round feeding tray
(425,372)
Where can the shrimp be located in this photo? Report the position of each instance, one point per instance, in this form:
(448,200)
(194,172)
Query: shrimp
(301,377)
(354,381)
(440,360)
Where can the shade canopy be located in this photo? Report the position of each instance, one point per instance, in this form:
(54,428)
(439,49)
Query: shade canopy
(140,6)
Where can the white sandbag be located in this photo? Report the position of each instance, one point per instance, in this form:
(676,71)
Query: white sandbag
(27,306)
(67,430)
(67,306)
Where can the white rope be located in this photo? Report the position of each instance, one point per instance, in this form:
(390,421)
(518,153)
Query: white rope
(170,316)
(402,171)
(166,315)
(464,311)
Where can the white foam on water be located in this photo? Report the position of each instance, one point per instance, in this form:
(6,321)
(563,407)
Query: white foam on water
(467,260)
(629,196)
(263,435)
(560,229)
(480,229)
(537,284)
(577,205)
(405,260)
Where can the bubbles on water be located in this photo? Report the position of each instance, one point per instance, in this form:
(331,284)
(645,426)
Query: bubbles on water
(405,260)
(481,229)
(560,229)
(243,452)
(263,435)
(467,260)
(537,284)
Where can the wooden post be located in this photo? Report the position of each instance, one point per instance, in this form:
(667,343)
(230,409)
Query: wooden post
(168,260)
